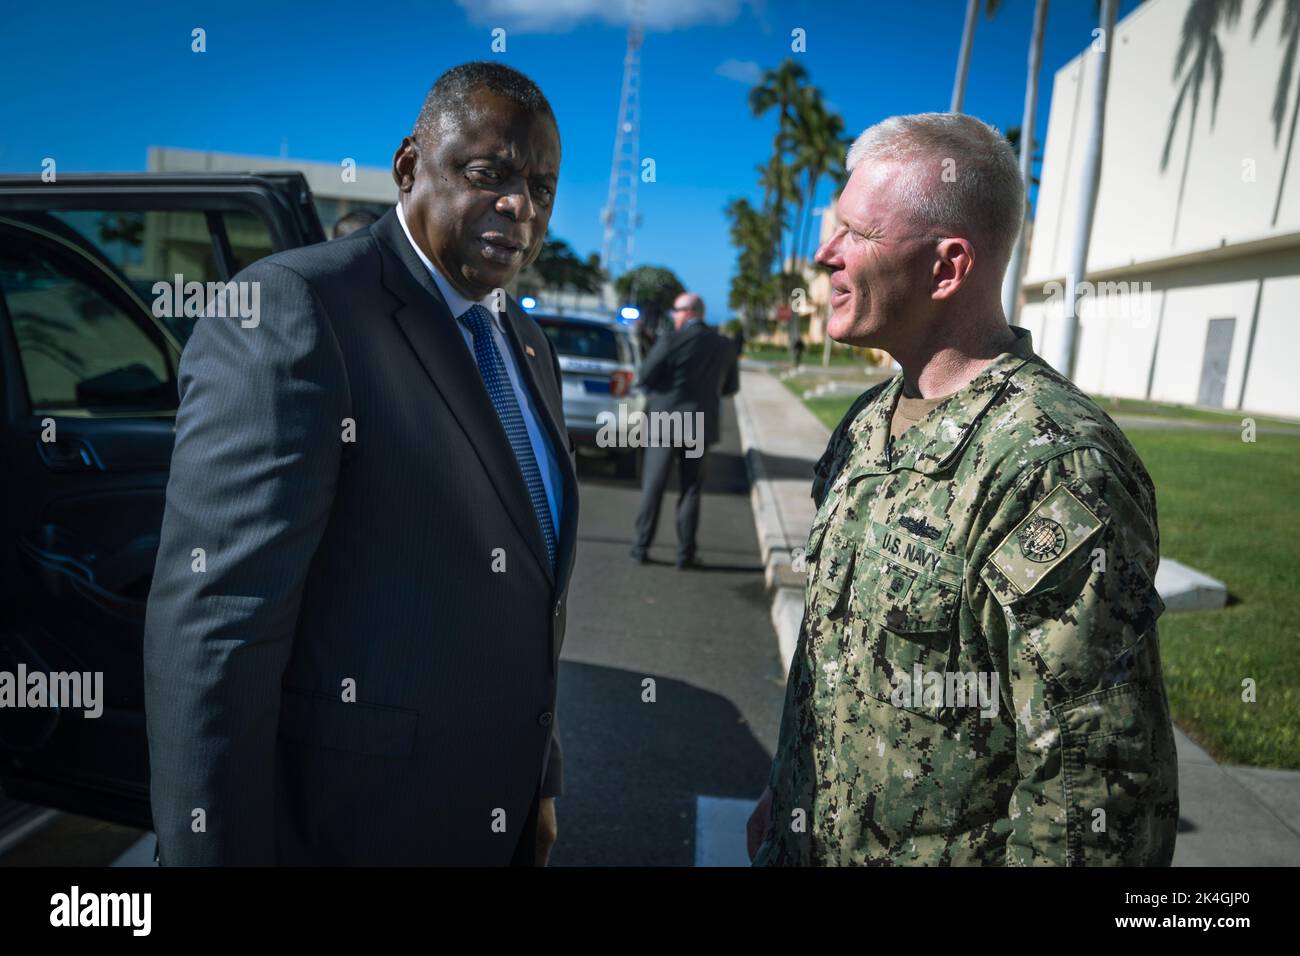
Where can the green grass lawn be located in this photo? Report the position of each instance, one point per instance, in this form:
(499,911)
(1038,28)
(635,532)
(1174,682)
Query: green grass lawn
(1133,406)
(812,354)
(1227,508)
(829,409)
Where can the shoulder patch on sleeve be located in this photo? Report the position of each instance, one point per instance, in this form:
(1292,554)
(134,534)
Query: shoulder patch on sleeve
(1057,526)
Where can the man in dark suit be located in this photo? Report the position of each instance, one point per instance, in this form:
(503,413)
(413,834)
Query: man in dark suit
(689,369)
(358,219)
(352,639)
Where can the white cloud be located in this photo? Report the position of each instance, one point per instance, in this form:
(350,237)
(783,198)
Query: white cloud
(742,71)
(557,16)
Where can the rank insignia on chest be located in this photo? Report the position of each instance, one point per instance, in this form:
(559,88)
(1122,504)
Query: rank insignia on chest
(898,583)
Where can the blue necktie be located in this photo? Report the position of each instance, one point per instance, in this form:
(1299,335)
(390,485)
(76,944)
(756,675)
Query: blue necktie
(493,370)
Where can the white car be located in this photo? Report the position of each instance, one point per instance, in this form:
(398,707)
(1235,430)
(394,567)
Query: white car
(599,358)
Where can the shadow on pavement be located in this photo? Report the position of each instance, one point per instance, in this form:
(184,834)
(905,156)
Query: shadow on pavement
(779,467)
(633,769)
(726,474)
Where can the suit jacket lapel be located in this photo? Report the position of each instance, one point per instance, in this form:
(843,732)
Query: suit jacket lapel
(433,334)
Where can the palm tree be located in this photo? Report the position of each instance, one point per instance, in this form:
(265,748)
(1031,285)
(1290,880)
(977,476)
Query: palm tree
(779,88)
(751,286)
(779,189)
(808,145)
(1199,54)
(778,181)
(1090,176)
(1011,283)
(819,145)
(793,144)
(1291,43)
(967,42)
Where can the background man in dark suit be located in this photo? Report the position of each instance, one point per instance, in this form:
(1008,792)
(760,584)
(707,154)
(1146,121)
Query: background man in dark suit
(352,638)
(352,222)
(689,369)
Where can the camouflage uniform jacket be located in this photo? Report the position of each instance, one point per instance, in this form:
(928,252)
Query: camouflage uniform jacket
(1010,535)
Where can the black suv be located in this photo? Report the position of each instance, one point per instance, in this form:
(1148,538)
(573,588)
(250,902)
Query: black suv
(90,338)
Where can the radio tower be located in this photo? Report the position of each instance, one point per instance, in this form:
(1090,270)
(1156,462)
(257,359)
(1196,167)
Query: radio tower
(619,214)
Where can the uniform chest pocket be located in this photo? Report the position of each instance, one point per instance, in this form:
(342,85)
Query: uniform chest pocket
(905,634)
(830,559)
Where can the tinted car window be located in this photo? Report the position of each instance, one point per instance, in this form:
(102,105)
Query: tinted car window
(79,349)
(582,340)
(151,245)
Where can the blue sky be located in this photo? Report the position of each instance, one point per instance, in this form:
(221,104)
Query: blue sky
(95,85)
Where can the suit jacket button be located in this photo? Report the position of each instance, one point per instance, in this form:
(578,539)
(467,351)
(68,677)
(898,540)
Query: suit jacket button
(544,718)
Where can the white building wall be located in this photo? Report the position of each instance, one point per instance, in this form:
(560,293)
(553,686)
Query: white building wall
(1182,345)
(1214,227)
(1138,200)
(1031,318)
(1117,334)
(1274,384)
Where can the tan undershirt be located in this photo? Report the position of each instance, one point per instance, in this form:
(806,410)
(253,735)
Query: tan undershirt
(909,411)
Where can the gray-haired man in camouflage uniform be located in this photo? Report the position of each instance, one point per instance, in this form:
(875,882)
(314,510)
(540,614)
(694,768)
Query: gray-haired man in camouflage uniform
(977,678)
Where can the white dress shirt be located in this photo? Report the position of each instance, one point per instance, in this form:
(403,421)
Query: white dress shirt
(547,463)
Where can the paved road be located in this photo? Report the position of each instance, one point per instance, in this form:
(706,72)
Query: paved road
(634,770)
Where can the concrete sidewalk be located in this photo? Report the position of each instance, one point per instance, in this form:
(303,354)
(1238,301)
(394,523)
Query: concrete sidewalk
(1230,816)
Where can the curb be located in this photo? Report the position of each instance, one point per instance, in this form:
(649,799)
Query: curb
(777,540)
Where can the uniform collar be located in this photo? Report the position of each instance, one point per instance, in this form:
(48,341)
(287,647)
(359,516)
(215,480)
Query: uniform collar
(938,438)
(456,302)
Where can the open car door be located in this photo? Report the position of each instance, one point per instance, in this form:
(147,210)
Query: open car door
(88,361)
